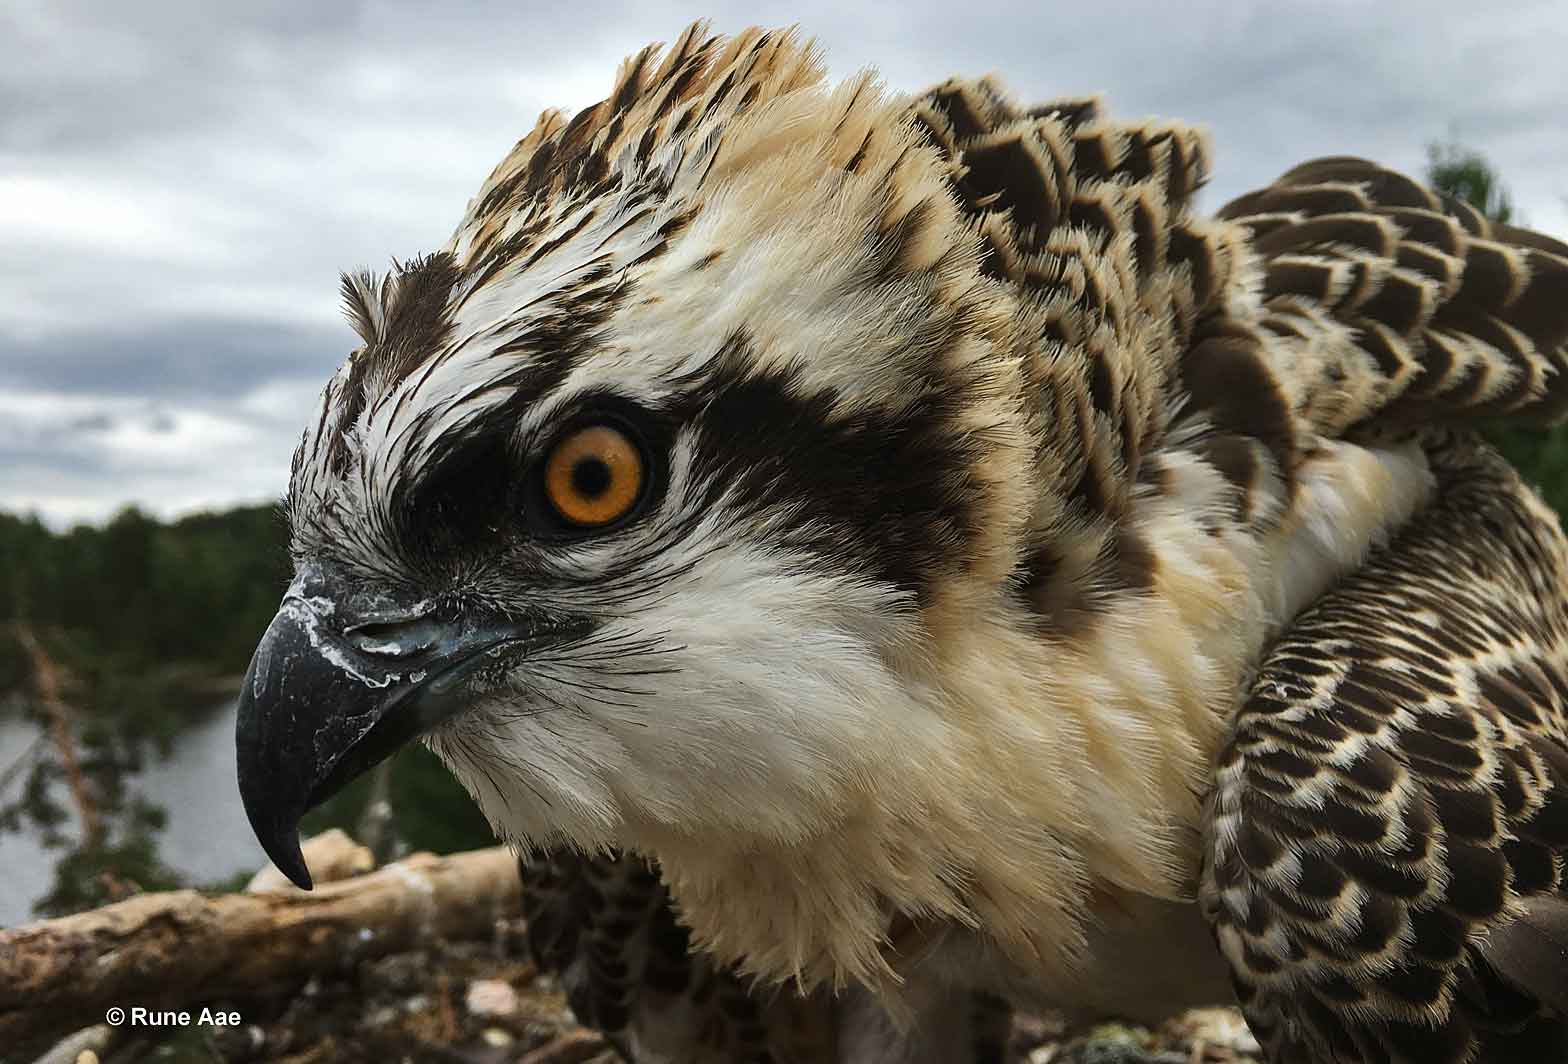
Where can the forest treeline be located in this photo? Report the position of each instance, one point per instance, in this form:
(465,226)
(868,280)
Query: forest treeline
(139,595)
(148,626)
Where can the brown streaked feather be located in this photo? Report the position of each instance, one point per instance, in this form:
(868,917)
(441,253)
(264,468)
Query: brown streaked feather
(1087,219)
(606,926)
(1458,317)
(1385,860)
(400,319)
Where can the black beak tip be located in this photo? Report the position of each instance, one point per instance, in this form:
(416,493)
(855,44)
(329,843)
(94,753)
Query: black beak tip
(278,834)
(290,860)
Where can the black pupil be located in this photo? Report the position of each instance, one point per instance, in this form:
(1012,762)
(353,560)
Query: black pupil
(591,477)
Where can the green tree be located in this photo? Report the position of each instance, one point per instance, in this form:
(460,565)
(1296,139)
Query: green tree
(1465,174)
(150,625)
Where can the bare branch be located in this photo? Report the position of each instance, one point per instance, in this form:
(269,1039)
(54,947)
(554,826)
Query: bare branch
(46,678)
(178,948)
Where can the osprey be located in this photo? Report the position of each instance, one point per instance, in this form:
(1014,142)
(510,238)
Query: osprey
(887,560)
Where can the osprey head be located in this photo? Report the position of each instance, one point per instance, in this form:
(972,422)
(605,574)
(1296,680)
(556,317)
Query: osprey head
(638,496)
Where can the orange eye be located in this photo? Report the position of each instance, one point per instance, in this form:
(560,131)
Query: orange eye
(594,476)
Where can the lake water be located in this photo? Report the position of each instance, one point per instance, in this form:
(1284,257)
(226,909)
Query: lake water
(207,837)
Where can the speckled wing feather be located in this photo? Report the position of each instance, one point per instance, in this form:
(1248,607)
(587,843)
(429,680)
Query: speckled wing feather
(1418,308)
(606,928)
(1387,837)
(1373,304)
(604,925)
(1118,283)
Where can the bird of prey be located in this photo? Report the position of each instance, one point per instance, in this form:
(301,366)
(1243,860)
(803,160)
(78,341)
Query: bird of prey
(887,560)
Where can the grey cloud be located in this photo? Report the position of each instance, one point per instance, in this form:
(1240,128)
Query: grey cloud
(214,165)
(92,75)
(172,360)
(44,467)
(99,422)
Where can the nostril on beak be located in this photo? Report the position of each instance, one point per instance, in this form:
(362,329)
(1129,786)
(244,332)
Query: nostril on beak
(395,639)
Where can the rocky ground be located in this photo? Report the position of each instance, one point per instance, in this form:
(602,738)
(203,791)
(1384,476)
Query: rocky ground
(485,1003)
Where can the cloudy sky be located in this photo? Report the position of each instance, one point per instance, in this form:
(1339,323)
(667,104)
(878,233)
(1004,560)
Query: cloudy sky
(180,182)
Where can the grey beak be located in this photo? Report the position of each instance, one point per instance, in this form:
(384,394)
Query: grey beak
(337,685)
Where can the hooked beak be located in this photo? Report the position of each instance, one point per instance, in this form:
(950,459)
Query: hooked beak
(339,683)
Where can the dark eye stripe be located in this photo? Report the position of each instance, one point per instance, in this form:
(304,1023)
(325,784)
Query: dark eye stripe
(889,497)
